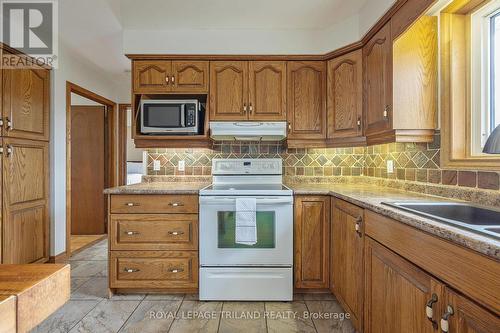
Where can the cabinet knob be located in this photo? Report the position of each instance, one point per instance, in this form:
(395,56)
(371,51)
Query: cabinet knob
(131,270)
(176,270)
(359,122)
(251,108)
(8,122)
(386,112)
(244,107)
(1,122)
(167,79)
(429,312)
(289,127)
(10,150)
(173,79)
(176,233)
(176,204)
(445,324)
(357,226)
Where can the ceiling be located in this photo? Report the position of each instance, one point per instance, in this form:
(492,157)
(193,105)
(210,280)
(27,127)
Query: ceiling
(95,29)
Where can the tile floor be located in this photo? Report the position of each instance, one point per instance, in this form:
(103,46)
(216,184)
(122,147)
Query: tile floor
(89,309)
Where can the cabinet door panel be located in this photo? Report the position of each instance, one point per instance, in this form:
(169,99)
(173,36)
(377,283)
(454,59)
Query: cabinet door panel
(228,90)
(347,258)
(151,76)
(306,99)
(469,317)
(267,90)
(377,55)
(312,242)
(345,96)
(397,293)
(25,195)
(190,76)
(26,103)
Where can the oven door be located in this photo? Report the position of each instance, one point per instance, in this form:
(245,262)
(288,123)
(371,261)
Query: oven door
(274,233)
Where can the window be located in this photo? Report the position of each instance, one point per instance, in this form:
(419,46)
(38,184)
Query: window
(485,74)
(469,82)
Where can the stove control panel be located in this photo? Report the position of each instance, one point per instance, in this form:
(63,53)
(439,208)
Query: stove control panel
(247,166)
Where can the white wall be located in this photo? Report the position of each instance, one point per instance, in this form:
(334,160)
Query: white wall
(71,68)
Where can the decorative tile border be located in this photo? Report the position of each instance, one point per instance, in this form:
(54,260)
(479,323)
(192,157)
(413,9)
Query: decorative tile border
(413,162)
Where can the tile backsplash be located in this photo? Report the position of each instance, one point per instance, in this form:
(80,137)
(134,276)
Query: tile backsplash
(417,162)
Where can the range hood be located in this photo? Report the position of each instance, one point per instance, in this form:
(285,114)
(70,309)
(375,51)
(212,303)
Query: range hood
(248,131)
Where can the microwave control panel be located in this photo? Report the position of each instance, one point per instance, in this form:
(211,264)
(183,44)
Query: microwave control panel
(190,115)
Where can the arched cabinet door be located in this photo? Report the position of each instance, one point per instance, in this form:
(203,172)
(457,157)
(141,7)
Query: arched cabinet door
(26,103)
(267,90)
(151,76)
(189,76)
(228,90)
(377,57)
(306,100)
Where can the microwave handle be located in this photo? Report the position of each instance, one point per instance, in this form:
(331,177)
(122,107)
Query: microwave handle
(183,115)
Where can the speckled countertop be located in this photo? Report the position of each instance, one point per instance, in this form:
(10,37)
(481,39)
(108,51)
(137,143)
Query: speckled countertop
(371,197)
(364,195)
(158,188)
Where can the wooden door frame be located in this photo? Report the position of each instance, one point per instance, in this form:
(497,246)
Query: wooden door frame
(112,159)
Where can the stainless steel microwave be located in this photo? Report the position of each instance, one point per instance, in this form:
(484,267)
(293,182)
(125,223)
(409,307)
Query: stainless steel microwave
(170,116)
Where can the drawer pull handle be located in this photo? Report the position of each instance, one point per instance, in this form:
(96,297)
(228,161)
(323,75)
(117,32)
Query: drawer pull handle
(176,270)
(429,312)
(445,325)
(131,270)
(130,233)
(132,204)
(176,204)
(176,233)
(357,226)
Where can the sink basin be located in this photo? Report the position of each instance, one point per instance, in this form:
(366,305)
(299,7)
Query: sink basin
(467,216)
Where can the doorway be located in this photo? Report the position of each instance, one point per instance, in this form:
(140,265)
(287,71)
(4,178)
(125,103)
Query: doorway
(91,165)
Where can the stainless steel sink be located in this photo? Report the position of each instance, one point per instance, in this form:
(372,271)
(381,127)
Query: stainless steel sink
(467,216)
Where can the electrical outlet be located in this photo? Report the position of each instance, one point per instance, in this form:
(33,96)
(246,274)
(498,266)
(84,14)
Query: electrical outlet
(156,165)
(390,166)
(181,166)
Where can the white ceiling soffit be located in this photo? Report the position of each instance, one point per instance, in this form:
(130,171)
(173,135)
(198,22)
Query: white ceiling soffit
(103,30)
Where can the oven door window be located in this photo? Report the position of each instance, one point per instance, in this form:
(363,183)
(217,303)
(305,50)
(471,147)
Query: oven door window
(163,115)
(266,231)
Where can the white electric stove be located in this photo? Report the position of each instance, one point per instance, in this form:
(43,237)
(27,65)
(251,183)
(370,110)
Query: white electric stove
(232,271)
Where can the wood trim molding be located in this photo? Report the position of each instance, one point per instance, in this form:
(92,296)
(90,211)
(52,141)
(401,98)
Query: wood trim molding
(122,143)
(112,159)
(61,258)
(455,90)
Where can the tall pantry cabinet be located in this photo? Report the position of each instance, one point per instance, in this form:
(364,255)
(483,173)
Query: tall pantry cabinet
(24,155)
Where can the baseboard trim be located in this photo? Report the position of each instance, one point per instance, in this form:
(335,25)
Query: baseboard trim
(59,259)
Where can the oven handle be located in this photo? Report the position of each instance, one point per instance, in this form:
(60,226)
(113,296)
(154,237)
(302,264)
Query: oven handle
(260,201)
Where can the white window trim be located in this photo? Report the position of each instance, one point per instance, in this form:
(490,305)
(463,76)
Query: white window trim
(480,75)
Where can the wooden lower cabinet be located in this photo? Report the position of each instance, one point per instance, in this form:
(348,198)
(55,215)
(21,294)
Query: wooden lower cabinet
(347,244)
(311,242)
(397,293)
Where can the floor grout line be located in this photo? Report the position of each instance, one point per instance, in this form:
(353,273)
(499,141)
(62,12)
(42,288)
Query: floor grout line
(312,320)
(130,315)
(99,302)
(220,317)
(176,312)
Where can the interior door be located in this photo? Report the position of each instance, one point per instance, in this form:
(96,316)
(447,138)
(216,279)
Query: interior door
(152,76)
(87,170)
(267,90)
(306,100)
(25,199)
(26,103)
(228,90)
(377,55)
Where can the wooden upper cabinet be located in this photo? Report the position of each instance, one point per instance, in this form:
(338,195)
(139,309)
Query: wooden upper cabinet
(151,76)
(312,241)
(377,57)
(467,316)
(165,76)
(189,76)
(345,95)
(228,90)
(306,99)
(25,201)
(267,90)
(26,103)
(397,293)
(347,246)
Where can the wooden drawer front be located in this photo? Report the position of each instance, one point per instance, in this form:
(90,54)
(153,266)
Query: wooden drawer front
(154,232)
(472,273)
(154,269)
(136,204)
